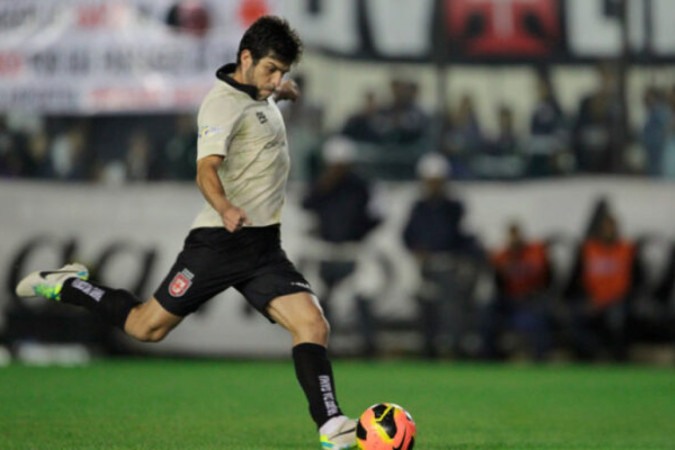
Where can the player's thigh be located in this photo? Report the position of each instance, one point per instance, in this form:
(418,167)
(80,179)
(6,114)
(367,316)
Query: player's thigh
(151,321)
(301,314)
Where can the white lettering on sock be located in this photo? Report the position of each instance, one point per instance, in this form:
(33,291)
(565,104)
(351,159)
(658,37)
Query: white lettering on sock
(89,289)
(328,396)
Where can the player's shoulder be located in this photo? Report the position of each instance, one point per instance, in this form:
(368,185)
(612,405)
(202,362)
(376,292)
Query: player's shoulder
(224,93)
(222,99)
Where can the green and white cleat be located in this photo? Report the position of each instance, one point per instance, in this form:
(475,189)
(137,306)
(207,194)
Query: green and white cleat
(48,283)
(342,436)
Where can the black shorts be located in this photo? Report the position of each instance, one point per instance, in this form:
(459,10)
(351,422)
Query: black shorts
(251,260)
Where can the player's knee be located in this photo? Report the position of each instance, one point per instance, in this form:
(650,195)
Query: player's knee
(314,328)
(321,326)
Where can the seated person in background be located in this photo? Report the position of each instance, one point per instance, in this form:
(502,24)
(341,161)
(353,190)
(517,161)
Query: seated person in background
(435,221)
(180,150)
(405,120)
(602,284)
(548,147)
(446,257)
(593,132)
(13,159)
(141,159)
(522,273)
(366,124)
(655,129)
(463,137)
(38,163)
(668,161)
(502,155)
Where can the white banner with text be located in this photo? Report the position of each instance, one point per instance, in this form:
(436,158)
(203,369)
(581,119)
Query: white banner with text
(97,56)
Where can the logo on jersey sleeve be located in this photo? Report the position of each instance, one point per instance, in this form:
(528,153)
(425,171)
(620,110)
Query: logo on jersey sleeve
(208,131)
(181,283)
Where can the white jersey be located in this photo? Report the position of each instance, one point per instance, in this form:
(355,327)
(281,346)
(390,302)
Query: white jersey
(251,136)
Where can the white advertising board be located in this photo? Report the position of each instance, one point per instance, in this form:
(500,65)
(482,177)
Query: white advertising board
(90,219)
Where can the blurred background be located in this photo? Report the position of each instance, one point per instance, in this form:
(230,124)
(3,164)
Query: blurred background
(472,179)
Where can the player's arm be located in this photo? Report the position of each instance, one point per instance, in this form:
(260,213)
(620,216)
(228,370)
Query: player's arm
(212,189)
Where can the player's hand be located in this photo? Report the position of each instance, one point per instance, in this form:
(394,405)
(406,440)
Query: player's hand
(287,90)
(234,219)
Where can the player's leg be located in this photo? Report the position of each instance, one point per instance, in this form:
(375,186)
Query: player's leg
(283,295)
(147,321)
(150,322)
(302,316)
(199,273)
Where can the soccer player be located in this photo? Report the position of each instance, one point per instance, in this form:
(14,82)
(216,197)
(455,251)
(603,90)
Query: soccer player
(242,168)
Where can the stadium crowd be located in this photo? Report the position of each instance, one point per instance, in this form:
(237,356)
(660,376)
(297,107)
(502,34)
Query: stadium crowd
(535,311)
(391,134)
(601,306)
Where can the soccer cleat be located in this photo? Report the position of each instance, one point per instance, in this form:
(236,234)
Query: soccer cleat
(341,438)
(48,283)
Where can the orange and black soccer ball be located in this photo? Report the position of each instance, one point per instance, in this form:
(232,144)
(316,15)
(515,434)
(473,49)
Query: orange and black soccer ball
(385,426)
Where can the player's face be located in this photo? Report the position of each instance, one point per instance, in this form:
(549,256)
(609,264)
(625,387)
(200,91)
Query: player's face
(266,75)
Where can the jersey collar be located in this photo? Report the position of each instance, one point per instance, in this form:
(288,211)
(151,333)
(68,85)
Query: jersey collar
(225,74)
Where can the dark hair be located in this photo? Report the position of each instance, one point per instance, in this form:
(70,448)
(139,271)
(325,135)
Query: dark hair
(271,36)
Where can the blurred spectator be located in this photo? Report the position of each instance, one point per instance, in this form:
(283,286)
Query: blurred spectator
(396,131)
(522,272)
(462,137)
(11,151)
(656,324)
(502,156)
(602,208)
(651,314)
(602,283)
(406,122)
(594,133)
(140,161)
(304,129)
(366,125)
(548,135)
(435,221)
(669,148)
(446,255)
(138,164)
(180,151)
(655,129)
(507,141)
(72,159)
(38,162)
(341,200)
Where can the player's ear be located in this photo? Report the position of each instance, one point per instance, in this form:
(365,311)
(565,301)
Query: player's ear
(245,59)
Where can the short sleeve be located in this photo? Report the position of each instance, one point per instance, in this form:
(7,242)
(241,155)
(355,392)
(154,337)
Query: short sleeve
(217,122)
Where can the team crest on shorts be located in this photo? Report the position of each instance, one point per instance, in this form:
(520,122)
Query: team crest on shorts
(181,283)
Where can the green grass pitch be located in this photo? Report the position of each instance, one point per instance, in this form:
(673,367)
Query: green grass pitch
(239,405)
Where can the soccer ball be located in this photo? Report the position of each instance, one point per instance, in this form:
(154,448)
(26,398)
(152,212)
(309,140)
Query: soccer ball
(385,426)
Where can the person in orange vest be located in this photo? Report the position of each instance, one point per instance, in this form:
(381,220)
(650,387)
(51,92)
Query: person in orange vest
(602,284)
(522,273)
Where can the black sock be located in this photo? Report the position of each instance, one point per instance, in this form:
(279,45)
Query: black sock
(315,374)
(113,305)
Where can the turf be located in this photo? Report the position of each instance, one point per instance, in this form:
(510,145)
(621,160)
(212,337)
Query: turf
(239,405)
